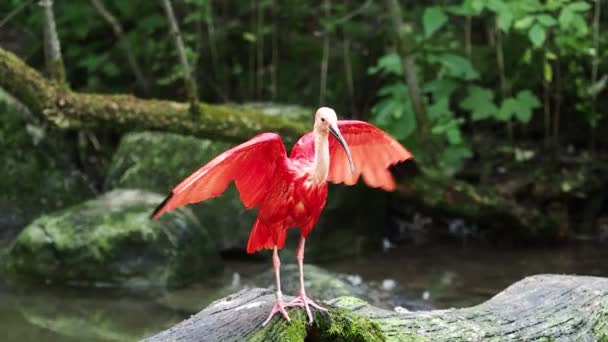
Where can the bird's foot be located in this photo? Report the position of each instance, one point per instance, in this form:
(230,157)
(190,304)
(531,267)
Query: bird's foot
(303,300)
(279,307)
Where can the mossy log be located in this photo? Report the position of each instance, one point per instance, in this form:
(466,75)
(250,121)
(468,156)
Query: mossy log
(537,308)
(68,109)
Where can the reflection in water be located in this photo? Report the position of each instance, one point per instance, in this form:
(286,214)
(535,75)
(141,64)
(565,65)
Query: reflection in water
(445,275)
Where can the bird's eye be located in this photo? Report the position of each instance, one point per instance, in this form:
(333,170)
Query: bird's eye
(323,119)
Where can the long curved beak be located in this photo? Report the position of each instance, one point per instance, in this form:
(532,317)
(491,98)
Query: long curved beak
(336,133)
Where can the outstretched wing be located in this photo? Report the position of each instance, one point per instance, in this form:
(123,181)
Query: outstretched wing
(250,165)
(373,151)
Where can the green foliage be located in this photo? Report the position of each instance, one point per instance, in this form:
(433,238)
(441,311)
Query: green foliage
(480,103)
(268,50)
(433,19)
(519,107)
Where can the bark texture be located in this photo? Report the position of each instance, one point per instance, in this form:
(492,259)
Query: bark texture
(68,109)
(538,308)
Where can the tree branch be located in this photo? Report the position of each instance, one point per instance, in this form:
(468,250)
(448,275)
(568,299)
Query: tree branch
(190,82)
(52,47)
(72,110)
(124,44)
(402,38)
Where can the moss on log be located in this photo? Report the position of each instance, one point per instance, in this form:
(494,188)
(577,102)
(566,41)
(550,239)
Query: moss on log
(538,308)
(68,109)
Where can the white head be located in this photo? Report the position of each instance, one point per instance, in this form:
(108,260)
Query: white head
(324,118)
(326,121)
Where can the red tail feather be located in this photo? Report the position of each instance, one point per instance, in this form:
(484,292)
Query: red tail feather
(264,237)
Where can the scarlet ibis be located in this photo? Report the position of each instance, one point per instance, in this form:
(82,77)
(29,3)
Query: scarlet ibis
(291,191)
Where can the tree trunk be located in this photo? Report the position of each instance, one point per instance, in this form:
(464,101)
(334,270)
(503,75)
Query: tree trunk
(73,110)
(52,47)
(402,39)
(189,81)
(538,308)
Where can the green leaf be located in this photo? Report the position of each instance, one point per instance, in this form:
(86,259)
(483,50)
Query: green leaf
(507,110)
(478,5)
(397,90)
(433,19)
(405,126)
(441,88)
(579,6)
(503,12)
(480,102)
(565,17)
(451,158)
(546,20)
(394,112)
(505,19)
(389,64)
(527,101)
(537,35)
(457,66)
(454,136)
(524,22)
(249,37)
(548,72)
(519,107)
(440,110)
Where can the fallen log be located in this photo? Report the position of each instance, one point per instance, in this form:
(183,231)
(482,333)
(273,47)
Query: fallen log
(537,308)
(73,110)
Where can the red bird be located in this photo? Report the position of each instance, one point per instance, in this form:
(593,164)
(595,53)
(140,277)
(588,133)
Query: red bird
(291,191)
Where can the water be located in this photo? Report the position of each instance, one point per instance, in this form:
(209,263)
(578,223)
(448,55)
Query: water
(446,275)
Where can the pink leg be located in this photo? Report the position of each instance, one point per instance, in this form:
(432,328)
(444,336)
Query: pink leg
(302,299)
(279,304)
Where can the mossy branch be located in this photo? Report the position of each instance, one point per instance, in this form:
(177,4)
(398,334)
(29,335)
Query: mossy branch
(538,308)
(68,109)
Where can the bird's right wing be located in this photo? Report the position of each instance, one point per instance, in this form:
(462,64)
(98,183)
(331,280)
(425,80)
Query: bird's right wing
(250,165)
(373,152)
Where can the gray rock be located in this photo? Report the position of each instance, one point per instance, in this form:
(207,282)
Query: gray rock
(112,241)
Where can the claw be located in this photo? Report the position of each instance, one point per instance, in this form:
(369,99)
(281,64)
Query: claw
(279,307)
(303,300)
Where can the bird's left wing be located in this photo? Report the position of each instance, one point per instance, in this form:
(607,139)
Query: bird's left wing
(373,151)
(250,165)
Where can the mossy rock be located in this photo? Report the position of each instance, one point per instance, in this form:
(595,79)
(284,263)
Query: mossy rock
(111,240)
(37,175)
(158,161)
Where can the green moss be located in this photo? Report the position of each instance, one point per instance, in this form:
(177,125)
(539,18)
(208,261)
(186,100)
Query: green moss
(386,325)
(601,325)
(281,330)
(334,325)
(342,325)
